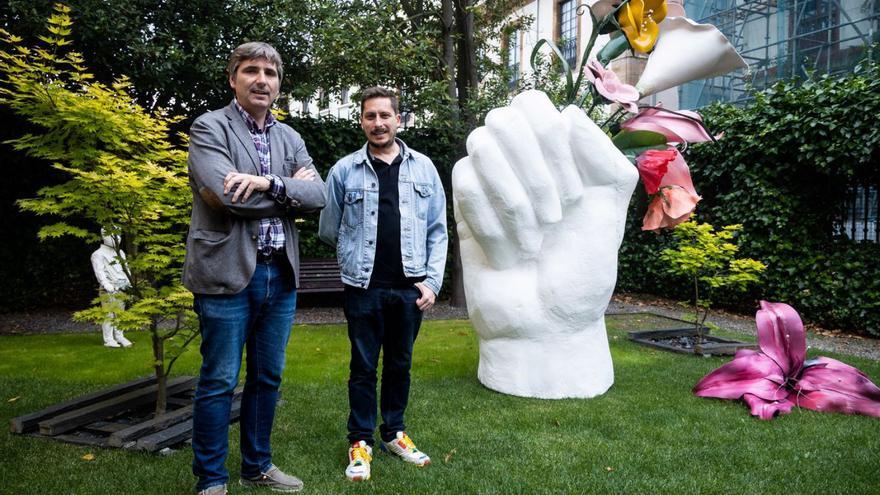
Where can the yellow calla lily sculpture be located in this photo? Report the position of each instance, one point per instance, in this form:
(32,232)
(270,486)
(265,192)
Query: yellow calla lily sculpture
(639,21)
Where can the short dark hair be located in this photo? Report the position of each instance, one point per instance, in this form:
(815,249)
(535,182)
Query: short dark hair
(380,92)
(254,50)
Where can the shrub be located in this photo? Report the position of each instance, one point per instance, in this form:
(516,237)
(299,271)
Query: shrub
(707,259)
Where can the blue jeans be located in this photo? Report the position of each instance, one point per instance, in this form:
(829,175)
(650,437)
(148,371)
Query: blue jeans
(259,318)
(380,318)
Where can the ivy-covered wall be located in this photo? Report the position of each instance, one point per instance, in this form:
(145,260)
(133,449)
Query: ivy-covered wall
(783,169)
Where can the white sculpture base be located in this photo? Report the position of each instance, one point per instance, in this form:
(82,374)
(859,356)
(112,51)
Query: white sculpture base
(568,366)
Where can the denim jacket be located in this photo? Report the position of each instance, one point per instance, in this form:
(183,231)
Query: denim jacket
(349,219)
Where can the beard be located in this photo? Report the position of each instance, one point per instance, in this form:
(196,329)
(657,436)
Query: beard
(376,143)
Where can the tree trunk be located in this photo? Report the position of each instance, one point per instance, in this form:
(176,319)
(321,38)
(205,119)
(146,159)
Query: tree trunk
(447,20)
(466,82)
(466,77)
(159,367)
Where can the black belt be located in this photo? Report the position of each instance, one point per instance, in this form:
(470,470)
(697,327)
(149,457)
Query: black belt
(273,255)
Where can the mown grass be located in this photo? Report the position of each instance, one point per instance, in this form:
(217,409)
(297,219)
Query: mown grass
(648,434)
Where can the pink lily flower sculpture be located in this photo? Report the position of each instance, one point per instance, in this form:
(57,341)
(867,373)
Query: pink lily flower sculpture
(611,87)
(680,126)
(775,379)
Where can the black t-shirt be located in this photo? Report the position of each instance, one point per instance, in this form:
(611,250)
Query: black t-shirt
(388,265)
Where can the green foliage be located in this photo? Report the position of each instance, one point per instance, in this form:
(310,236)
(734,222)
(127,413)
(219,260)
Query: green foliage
(124,172)
(707,258)
(399,44)
(175,51)
(547,75)
(783,170)
(353,39)
(634,143)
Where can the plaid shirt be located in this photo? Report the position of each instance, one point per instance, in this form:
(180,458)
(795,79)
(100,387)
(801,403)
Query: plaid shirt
(271,230)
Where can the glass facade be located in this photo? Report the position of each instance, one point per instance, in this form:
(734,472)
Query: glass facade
(781,39)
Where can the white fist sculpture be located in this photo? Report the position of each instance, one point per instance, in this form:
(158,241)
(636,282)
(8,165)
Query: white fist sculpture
(540,203)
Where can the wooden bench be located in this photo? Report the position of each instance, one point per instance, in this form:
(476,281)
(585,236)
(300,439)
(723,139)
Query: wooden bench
(319,275)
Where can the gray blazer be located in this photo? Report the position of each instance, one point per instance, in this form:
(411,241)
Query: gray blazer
(221,246)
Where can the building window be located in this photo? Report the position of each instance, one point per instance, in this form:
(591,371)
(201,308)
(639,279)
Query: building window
(514,48)
(568,31)
(860,221)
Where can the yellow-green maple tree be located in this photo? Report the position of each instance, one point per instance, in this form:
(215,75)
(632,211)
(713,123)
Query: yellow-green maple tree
(126,172)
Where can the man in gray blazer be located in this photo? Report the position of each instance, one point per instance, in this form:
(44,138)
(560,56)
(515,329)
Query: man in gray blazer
(250,176)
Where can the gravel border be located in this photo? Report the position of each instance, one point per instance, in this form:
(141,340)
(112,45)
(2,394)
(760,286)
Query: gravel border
(817,338)
(53,321)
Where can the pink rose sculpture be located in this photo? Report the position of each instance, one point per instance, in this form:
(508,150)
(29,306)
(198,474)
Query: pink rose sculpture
(653,165)
(775,379)
(667,178)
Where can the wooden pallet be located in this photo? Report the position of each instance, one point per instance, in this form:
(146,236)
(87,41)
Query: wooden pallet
(121,416)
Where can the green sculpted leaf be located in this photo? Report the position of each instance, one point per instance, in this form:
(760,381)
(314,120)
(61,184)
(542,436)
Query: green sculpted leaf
(631,143)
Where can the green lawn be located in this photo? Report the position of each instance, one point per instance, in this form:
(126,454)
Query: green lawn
(648,434)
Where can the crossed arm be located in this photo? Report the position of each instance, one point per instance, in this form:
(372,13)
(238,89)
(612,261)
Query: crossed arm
(224,187)
(242,185)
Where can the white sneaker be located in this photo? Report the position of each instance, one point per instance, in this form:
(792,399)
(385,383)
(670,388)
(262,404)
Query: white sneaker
(124,342)
(111,343)
(359,456)
(403,447)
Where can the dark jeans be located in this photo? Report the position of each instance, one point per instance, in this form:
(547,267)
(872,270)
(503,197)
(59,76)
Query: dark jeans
(258,318)
(386,319)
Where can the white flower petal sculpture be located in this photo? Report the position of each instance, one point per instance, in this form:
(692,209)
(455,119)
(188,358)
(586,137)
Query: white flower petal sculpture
(687,51)
(541,202)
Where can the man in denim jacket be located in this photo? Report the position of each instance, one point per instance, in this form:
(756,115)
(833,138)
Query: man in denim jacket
(386,215)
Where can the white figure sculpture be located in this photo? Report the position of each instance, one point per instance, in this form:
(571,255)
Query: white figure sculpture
(541,203)
(111,276)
